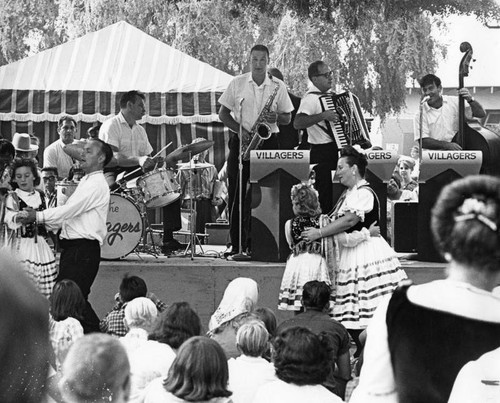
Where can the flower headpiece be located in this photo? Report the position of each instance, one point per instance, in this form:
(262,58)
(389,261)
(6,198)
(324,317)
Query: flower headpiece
(473,209)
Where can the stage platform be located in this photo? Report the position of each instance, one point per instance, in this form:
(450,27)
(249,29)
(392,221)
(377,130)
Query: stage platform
(202,281)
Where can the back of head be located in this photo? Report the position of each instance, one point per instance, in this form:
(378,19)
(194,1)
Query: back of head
(7,149)
(141,312)
(276,73)
(132,287)
(67,301)
(241,295)
(316,295)
(199,372)
(465,222)
(96,369)
(177,324)
(306,199)
(267,316)
(252,338)
(24,335)
(301,357)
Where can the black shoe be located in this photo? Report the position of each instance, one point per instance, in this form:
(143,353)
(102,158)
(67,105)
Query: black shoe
(229,252)
(168,248)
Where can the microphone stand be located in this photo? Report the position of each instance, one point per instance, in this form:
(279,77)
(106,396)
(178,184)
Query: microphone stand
(420,129)
(240,256)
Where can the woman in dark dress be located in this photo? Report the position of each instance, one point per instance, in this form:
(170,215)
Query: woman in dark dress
(419,340)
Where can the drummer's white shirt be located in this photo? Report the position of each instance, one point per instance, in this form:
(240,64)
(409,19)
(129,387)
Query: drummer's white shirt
(130,141)
(85,212)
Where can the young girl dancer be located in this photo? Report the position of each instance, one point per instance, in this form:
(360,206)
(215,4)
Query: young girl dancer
(28,240)
(307,261)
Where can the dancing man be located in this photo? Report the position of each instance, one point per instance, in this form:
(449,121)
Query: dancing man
(83,225)
(242,104)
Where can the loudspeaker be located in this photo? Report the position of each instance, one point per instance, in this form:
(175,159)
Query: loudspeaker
(428,194)
(404,226)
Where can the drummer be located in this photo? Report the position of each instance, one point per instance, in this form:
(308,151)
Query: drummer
(203,177)
(131,149)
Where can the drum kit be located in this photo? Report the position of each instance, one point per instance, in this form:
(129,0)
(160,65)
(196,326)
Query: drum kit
(127,222)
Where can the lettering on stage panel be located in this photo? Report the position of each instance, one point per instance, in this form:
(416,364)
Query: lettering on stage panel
(462,162)
(264,162)
(382,163)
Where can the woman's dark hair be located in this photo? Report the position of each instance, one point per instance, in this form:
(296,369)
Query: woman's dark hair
(7,149)
(465,222)
(301,357)
(267,316)
(353,156)
(199,371)
(67,301)
(18,163)
(177,324)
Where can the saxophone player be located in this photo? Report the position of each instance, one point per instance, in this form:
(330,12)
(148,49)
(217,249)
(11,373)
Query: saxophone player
(243,103)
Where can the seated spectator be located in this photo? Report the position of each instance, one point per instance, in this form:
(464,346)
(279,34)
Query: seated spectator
(250,370)
(302,362)
(267,316)
(131,287)
(66,311)
(406,166)
(478,381)
(24,335)
(316,301)
(96,369)
(199,373)
(177,324)
(148,360)
(240,298)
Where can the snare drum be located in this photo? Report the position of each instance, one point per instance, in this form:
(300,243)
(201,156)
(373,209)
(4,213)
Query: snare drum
(124,225)
(64,191)
(159,187)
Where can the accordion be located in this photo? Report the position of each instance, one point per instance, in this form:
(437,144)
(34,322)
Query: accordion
(351,128)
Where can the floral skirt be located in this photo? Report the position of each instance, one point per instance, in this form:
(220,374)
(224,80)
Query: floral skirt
(299,270)
(366,274)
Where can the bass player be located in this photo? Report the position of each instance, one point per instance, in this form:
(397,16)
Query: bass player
(243,103)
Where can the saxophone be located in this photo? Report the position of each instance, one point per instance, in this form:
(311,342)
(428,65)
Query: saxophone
(260,130)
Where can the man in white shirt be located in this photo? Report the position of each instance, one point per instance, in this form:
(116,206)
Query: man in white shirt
(310,116)
(82,221)
(440,118)
(131,149)
(54,155)
(242,103)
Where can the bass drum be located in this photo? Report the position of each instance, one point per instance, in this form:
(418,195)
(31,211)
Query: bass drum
(125,227)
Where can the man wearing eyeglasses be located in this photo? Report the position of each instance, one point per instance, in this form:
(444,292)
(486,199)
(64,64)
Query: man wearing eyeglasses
(310,116)
(49,178)
(54,155)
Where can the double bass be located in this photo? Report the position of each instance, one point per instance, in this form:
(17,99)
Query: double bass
(475,136)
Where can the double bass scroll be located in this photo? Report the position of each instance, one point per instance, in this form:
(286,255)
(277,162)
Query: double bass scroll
(474,136)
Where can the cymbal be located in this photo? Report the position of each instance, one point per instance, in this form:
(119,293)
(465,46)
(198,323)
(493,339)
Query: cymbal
(199,165)
(190,150)
(75,150)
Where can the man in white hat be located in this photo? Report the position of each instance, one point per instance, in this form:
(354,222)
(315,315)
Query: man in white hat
(25,147)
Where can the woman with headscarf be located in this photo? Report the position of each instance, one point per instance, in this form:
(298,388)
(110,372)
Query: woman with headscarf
(420,339)
(239,300)
(369,271)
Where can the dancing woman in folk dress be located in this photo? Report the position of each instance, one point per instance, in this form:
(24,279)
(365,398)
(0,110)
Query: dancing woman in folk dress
(28,240)
(365,273)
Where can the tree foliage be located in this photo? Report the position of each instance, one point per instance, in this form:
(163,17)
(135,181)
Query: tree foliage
(374,46)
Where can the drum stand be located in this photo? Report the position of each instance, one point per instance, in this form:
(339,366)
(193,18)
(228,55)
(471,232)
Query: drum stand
(194,240)
(144,246)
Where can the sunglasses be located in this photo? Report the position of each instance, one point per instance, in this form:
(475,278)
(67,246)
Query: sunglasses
(326,75)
